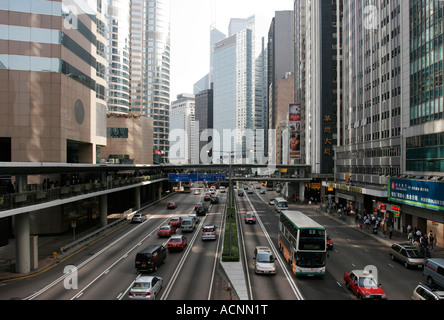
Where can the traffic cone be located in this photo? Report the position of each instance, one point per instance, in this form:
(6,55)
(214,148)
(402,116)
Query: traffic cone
(229,286)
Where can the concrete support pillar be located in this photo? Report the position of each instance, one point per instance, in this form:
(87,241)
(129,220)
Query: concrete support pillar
(159,190)
(34,252)
(137,197)
(302,191)
(22,243)
(152,193)
(103,210)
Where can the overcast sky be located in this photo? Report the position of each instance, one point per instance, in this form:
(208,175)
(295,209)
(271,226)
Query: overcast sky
(190,33)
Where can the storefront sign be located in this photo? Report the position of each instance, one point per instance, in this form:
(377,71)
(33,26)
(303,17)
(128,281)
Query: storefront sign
(423,194)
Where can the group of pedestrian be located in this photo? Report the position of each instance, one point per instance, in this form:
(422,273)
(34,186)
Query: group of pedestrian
(425,241)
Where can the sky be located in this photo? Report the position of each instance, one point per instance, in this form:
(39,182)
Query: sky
(190,33)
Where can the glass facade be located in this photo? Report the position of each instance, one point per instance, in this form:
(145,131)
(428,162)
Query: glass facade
(425,153)
(119,56)
(426,61)
(150,66)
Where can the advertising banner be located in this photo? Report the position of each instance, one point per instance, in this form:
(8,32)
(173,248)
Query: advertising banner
(418,193)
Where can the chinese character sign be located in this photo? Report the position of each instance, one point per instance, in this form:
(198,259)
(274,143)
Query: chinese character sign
(423,194)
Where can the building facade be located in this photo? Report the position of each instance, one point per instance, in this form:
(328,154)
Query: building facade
(150,68)
(390,125)
(182,126)
(233,94)
(52,81)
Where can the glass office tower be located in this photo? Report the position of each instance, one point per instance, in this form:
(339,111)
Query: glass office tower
(150,68)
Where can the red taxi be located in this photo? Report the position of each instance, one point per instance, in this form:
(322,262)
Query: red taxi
(329,243)
(166,231)
(175,222)
(177,242)
(363,285)
(250,217)
(171,205)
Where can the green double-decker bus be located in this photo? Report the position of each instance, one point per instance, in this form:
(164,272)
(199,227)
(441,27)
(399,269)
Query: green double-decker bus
(302,242)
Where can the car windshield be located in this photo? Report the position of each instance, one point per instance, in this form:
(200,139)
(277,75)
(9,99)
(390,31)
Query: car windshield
(209,229)
(141,285)
(414,253)
(176,239)
(249,215)
(186,222)
(367,282)
(265,257)
(164,228)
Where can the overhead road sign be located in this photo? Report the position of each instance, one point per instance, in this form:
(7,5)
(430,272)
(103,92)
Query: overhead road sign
(192,177)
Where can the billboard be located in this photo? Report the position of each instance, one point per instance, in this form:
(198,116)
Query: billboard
(418,193)
(294,117)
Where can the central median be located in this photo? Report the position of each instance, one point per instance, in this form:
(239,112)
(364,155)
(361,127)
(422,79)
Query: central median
(231,244)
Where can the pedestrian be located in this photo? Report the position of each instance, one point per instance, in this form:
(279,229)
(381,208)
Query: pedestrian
(409,227)
(411,237)
(418,236)
(390,232)
(431,240)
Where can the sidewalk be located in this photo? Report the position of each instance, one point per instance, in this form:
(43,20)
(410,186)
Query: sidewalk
(397,237)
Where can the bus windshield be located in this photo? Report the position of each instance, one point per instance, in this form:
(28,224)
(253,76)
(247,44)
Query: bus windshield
(282,204)
(310,259)
(311,239)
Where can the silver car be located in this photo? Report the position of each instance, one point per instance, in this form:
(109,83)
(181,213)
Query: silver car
(138,217)
(407,254)
(264,261)
(209,232)
(427,292)
(146,288)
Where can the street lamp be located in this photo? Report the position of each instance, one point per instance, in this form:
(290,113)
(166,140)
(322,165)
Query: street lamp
(230,198)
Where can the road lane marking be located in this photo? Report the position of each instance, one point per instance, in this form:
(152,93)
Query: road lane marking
(289,277)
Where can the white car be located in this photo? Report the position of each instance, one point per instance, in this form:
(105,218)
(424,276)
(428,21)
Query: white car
(138,217)
(146,288)
(264,261)
(271,202)
(209,232)
(222,189)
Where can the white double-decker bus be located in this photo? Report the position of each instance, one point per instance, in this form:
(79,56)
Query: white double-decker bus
(280,204)
(302,242)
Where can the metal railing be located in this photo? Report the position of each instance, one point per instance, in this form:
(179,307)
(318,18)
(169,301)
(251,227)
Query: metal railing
(28,198)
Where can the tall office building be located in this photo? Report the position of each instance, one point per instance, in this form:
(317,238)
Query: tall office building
(234,94)
(203,122)
(53,80)
(119,45)
(420,120)
(317,84)
(150,68)
(182,116)
(369,123)
(280,67)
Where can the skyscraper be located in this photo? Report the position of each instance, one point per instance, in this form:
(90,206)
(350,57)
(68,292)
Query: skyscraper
(150,67)
(369,123)
(182,116)
(234,94)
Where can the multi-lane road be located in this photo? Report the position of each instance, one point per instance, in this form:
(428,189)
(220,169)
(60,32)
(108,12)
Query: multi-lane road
(104,270)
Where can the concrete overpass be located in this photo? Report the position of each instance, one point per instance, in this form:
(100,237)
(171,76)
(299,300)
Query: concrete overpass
(112,179)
